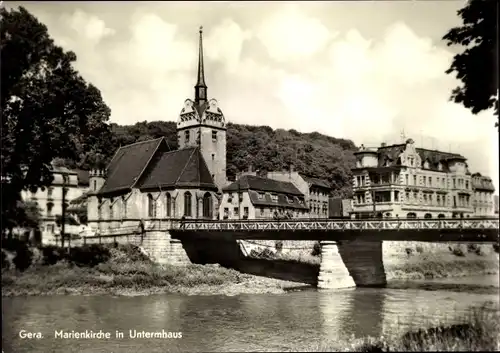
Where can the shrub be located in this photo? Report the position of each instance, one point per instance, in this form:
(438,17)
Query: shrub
(408,251)
(457,251)
(53,254)
(278,246)
(23,258)
(419,249)
(5,262)
(264,254)
(316,251)
(89,255)
(472,248)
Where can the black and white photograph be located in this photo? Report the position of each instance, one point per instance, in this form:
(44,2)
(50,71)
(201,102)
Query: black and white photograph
(249,176)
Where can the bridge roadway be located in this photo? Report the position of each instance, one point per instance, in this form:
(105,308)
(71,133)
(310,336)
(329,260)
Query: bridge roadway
(430,230)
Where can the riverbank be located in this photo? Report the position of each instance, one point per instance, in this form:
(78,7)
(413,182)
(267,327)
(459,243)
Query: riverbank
(124,270)
(478,331)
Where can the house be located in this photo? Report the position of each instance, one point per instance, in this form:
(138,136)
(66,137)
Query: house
(255,197)
(50,200)
(484,203)
(316,190)
(404,181)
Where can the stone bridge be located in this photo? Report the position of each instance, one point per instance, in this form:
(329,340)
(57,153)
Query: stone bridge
(351,250)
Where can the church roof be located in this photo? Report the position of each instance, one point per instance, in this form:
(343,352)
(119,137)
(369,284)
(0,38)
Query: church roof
(128,164)
(150,164)
(181,168)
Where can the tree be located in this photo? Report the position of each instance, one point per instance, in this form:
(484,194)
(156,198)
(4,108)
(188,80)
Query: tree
(476,66)
(48,110)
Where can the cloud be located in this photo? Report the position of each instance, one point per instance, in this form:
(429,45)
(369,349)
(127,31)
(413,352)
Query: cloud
(289,35)
(288,69)
(225,42)
(90,27)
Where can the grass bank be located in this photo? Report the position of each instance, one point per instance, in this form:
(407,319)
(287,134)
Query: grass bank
(479,331)
(124,270)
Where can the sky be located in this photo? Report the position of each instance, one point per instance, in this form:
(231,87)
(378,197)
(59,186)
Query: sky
(369,71)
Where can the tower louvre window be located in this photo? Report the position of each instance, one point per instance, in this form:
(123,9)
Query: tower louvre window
(214,135)
(186,135)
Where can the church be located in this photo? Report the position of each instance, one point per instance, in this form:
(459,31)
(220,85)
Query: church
(148,180)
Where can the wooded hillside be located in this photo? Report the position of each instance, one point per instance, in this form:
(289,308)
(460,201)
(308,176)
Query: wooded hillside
(263,148)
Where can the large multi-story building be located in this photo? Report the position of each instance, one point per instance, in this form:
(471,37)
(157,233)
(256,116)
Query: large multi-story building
(256,197)
(483,195)
(50,200)
(316,191)
(407,182)
(146,180)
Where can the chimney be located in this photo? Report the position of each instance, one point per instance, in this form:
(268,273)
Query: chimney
(383,144)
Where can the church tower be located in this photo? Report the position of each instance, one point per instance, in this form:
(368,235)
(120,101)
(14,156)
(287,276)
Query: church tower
(202,124)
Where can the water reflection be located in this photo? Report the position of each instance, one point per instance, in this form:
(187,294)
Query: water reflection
(298,320)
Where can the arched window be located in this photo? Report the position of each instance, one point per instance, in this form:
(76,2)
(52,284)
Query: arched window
(169,204)
(151,206)
(207,205)
(111,208)
(427,215)
(411,215)
(124,207)
(187,204)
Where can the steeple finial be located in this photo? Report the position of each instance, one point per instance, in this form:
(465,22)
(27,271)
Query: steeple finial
(201,87)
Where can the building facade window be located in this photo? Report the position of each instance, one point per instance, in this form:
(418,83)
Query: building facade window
(151,206)
(111,208)
(207,205)
(50,191)
(124,207)
(214,135)
(50,206)
(168,205)
(186,135)
(187,204)
(415,180)
(245,212)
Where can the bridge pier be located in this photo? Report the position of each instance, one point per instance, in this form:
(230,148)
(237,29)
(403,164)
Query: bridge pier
(348,264)
(333,273)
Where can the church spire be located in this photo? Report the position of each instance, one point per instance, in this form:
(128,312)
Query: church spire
(201,87)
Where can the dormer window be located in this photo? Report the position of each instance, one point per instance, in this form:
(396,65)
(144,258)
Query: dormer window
(289,199)
(261,195)
(274,198)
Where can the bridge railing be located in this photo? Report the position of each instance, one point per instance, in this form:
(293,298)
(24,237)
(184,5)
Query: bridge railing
(337,225)
(300,225)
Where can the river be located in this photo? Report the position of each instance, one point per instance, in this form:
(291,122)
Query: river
(262,322)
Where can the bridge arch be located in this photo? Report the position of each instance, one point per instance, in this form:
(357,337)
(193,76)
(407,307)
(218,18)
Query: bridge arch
(441,215)
(427,215)
(207,205)
(411,215)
